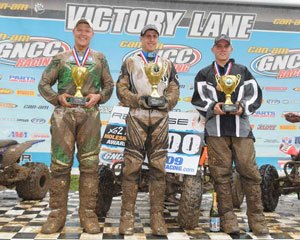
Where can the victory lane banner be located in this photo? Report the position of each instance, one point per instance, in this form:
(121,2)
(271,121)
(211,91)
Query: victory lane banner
(185,140)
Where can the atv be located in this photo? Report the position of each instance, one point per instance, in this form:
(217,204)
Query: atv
(31,180)
(189,187)
(273,185)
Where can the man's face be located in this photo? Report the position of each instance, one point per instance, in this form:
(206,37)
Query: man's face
(149,41)
(222,50)
(83,34)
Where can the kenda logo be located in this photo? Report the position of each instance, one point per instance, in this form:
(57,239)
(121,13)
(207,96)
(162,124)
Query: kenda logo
(183,57)
(32,52)
(279,66)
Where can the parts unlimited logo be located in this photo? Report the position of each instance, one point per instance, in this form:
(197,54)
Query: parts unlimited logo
(278,65)
(182,56)
(30,51)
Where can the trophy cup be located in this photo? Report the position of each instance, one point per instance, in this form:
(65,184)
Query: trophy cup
(154,73)
(79,75)
(227,84)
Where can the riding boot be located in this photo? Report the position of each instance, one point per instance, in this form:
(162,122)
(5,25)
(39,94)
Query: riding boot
(88,189)
(256,219)
(157,196)
(229,223)
(59,188)
(129,194)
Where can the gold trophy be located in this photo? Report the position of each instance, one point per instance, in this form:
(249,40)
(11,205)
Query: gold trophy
(154,73)
(228,84)
(79,75)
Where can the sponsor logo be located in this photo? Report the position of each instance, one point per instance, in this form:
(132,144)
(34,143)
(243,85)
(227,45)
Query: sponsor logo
(273,101)
(21,79)
(38,120)
(264,114)
(39,8)
(17,134)
(181,86)
(297,140)
(29,93)
(271,141)
(6,91)
(290,101)
(266,127)
(286,140)
(297,89)
(33,52)
(14,6)
(42,107)
(288,127)
(1,76)
(112,156)
(275,89)
(39,135)
(120,19)
(24,120)
(278,65)
(8,105)
(183,57)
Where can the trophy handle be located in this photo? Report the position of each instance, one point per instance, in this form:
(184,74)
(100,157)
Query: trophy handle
(218,82)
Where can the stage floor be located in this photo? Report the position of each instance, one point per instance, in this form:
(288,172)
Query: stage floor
(23,220)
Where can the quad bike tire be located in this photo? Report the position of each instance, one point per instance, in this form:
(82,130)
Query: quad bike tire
(37,184)
(105,190)
(269,187)
(190,201)
(237,190)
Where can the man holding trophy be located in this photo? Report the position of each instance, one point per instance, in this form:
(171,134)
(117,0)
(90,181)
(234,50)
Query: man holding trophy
(148,85)
(83,82)
(226,93)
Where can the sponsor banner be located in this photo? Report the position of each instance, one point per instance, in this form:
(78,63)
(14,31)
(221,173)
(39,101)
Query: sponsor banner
(32,33)
(185,141)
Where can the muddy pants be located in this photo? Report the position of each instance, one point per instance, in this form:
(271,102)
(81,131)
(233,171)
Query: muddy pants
(70,126)
(147,135)
(221,153)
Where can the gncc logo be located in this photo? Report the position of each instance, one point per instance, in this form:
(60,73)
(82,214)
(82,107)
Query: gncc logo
(182,56)
(34,52)
(279,66)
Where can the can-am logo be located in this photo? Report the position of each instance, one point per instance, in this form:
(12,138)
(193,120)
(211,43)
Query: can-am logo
(36,52)
(279,66)
(182,56)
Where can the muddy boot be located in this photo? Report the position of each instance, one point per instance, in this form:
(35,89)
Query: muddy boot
(229,223)
(256,219)
(59,188)
(157,196)
(129,194)
(88,189)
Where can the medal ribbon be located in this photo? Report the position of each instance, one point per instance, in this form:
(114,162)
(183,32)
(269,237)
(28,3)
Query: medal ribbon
(227,70)
(145,59)
(81,62)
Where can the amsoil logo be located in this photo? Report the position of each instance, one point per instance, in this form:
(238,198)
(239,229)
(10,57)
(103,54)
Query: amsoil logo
(182,56)
(36,52)
(279,66)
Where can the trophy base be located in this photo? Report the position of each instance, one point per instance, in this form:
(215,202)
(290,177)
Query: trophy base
(230,107)
(156,101)
(80,101)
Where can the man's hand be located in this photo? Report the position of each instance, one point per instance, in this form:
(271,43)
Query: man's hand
(62,99)
(218,109)
(143,102)
(238,112)
(93,99)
